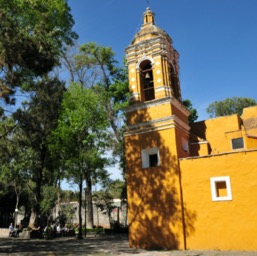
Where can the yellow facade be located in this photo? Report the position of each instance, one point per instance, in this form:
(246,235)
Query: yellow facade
(189,186)
(221,225)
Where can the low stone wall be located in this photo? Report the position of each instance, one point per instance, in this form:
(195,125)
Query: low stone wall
(4,232)
(25,234)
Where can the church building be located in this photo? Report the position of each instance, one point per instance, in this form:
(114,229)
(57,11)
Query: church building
(190,186)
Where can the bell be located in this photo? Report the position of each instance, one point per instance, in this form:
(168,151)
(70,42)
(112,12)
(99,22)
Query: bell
(147,76)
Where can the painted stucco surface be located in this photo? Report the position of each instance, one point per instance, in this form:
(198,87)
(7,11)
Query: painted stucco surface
(225,225)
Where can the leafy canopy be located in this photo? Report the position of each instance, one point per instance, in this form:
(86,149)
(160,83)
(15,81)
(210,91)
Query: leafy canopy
(230,106)
(32,35)
(193,112)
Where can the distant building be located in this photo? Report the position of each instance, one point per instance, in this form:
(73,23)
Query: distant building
(190,186)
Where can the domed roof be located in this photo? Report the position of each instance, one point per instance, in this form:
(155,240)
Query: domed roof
(149,30)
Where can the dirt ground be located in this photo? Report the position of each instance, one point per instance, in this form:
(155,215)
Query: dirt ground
(96,246)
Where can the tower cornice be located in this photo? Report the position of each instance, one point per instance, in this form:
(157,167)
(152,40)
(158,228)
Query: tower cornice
(157,102)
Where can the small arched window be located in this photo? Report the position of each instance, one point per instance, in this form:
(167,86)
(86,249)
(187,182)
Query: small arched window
(147,85)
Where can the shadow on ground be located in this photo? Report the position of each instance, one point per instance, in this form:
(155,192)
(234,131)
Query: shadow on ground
(107,245)
(103,245)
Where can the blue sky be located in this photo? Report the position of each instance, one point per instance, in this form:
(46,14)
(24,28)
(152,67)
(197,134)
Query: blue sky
(216,40)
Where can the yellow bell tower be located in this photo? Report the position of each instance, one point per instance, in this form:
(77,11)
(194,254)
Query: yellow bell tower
(157,135)
(153,63)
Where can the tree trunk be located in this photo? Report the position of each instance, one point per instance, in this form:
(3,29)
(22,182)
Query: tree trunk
(85,222)
(57,211)
(17,192)
(89,203)
(33,218)
(35,212)
(80,207)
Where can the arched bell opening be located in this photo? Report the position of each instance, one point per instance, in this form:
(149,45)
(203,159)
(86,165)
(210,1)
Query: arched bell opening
(146,80)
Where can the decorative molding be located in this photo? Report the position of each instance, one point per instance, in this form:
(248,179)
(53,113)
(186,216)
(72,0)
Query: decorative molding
(163,88)
(158,124)
(148,104)
(199,142)
(144,58)
(158,102)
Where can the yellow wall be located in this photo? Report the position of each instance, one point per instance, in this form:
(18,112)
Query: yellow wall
(153,193)
(217,132)
(228,225)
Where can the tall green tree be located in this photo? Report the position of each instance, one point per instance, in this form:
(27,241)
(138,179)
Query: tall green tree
(14,159)
(230,106)
(82,138)
(94,66)
(32,35)
(37,119)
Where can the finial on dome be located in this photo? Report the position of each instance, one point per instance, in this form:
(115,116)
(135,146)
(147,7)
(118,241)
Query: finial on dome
(147,4)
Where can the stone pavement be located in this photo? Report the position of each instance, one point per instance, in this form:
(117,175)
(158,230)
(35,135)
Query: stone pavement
(107,245)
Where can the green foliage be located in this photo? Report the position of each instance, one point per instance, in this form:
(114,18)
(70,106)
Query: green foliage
(15,160)
(35,123)
(82,136)
(115,188)
(193,112)
(230,106)
(32,35)
(49,196)
(81,131)
(94,66)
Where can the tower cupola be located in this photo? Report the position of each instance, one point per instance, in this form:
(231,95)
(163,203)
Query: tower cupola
(153,63)
(148,16)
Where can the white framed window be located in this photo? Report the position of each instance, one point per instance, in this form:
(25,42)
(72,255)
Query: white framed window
(221,188)
(237,143)
(150,157)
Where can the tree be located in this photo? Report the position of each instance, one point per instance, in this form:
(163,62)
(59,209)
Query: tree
(82,137)
(115,188)
(112,81)
(230,106)
(94,66)
(49,198)
(14,159)
(32,35)
(36,119)
(193,112)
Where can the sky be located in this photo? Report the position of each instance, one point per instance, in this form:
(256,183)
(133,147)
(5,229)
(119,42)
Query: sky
(216,40)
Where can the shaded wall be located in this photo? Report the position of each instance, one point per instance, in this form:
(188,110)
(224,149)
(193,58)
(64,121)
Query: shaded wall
(154,198)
